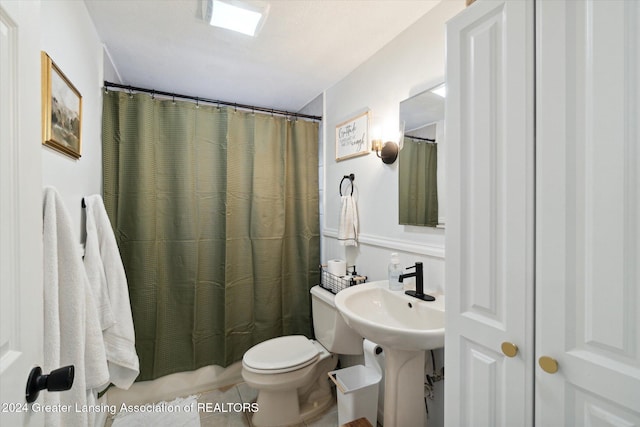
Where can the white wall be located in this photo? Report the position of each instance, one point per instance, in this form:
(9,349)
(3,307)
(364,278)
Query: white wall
(111,74)
(412,62)
(70,39)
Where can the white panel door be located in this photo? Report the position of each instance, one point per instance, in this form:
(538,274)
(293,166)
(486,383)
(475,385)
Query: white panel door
(588,212)
(489,238)
(21,308)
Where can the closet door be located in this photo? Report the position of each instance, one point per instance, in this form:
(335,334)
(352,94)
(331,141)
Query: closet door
(489,238)
(588,213)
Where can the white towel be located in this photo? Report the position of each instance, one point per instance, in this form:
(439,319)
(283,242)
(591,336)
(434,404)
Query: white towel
(72,334)
(96,274)
(106,273)
(348,230)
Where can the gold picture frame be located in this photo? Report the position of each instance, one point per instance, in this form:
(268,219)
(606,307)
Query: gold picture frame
(61,110)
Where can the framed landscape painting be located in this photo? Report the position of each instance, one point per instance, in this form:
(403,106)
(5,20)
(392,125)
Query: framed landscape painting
(61,111)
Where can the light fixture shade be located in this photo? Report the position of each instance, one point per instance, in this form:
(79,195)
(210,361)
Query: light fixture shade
(401,127)
(376,145)
(246,17)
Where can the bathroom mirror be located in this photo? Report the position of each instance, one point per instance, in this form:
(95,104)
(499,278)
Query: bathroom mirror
(421,169)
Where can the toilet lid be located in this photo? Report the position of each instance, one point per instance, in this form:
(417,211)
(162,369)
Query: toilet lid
(282,353)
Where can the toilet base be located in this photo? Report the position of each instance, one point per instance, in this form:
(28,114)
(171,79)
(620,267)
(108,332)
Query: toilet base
(278,408)
(272,414)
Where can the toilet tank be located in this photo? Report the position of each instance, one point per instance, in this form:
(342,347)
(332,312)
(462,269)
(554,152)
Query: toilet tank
(329,326)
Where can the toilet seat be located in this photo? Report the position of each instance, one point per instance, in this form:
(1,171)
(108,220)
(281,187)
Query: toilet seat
(280,355)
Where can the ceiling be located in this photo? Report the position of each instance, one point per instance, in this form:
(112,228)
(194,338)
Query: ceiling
(304,47)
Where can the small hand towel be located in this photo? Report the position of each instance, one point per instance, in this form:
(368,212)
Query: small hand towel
(348,229)
(72,334)
(104,268)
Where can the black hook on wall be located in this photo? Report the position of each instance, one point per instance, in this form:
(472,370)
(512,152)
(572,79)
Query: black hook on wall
(350,177)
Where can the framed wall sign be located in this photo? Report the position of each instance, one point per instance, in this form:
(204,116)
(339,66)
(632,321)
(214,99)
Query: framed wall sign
(61,110)
(352,137)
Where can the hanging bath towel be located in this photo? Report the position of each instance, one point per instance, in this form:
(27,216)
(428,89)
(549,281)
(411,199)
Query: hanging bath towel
(72,334)
(348,230)
(109,282)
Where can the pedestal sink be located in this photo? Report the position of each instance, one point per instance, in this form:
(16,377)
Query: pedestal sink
(405,327)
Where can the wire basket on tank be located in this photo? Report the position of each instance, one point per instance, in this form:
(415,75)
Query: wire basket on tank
(335,284)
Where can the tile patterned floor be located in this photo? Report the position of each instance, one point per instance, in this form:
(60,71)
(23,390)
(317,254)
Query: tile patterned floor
(243,394)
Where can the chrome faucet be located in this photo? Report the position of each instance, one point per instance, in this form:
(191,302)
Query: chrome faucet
(418,274)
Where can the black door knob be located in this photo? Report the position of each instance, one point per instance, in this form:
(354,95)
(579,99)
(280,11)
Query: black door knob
(60,379)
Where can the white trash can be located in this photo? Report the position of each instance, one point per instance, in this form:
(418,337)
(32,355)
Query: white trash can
(357,393)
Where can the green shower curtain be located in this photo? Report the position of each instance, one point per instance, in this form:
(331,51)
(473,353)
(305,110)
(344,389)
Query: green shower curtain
(216,216)
(418,183)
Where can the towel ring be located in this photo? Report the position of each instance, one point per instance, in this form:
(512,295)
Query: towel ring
(350,177)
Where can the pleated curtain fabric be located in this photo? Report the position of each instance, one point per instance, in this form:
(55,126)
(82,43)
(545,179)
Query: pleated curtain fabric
(418,183)
(217,219)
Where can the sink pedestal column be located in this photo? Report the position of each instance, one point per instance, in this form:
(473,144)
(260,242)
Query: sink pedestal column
(404,388)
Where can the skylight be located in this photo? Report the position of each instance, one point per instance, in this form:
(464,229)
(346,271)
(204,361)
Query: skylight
(237,16)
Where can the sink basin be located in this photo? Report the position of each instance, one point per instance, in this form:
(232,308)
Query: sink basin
(391,318)
(405,327)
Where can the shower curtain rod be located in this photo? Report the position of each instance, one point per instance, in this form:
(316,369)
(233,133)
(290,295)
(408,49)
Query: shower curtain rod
(210,101)
(420,139)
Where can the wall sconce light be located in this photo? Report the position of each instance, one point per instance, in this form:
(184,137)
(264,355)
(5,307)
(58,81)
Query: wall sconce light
(387,151)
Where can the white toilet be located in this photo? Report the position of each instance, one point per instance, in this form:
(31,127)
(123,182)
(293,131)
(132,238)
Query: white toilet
(290,372)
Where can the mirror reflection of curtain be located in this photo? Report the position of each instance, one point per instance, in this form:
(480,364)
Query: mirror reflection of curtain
(418,183)
(216,216)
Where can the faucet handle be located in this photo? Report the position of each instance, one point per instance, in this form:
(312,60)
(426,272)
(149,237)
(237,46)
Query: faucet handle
(417,266)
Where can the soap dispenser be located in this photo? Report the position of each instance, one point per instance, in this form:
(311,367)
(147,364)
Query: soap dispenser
(394,273)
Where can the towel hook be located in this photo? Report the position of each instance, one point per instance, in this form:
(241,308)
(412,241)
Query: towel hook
(350,177)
